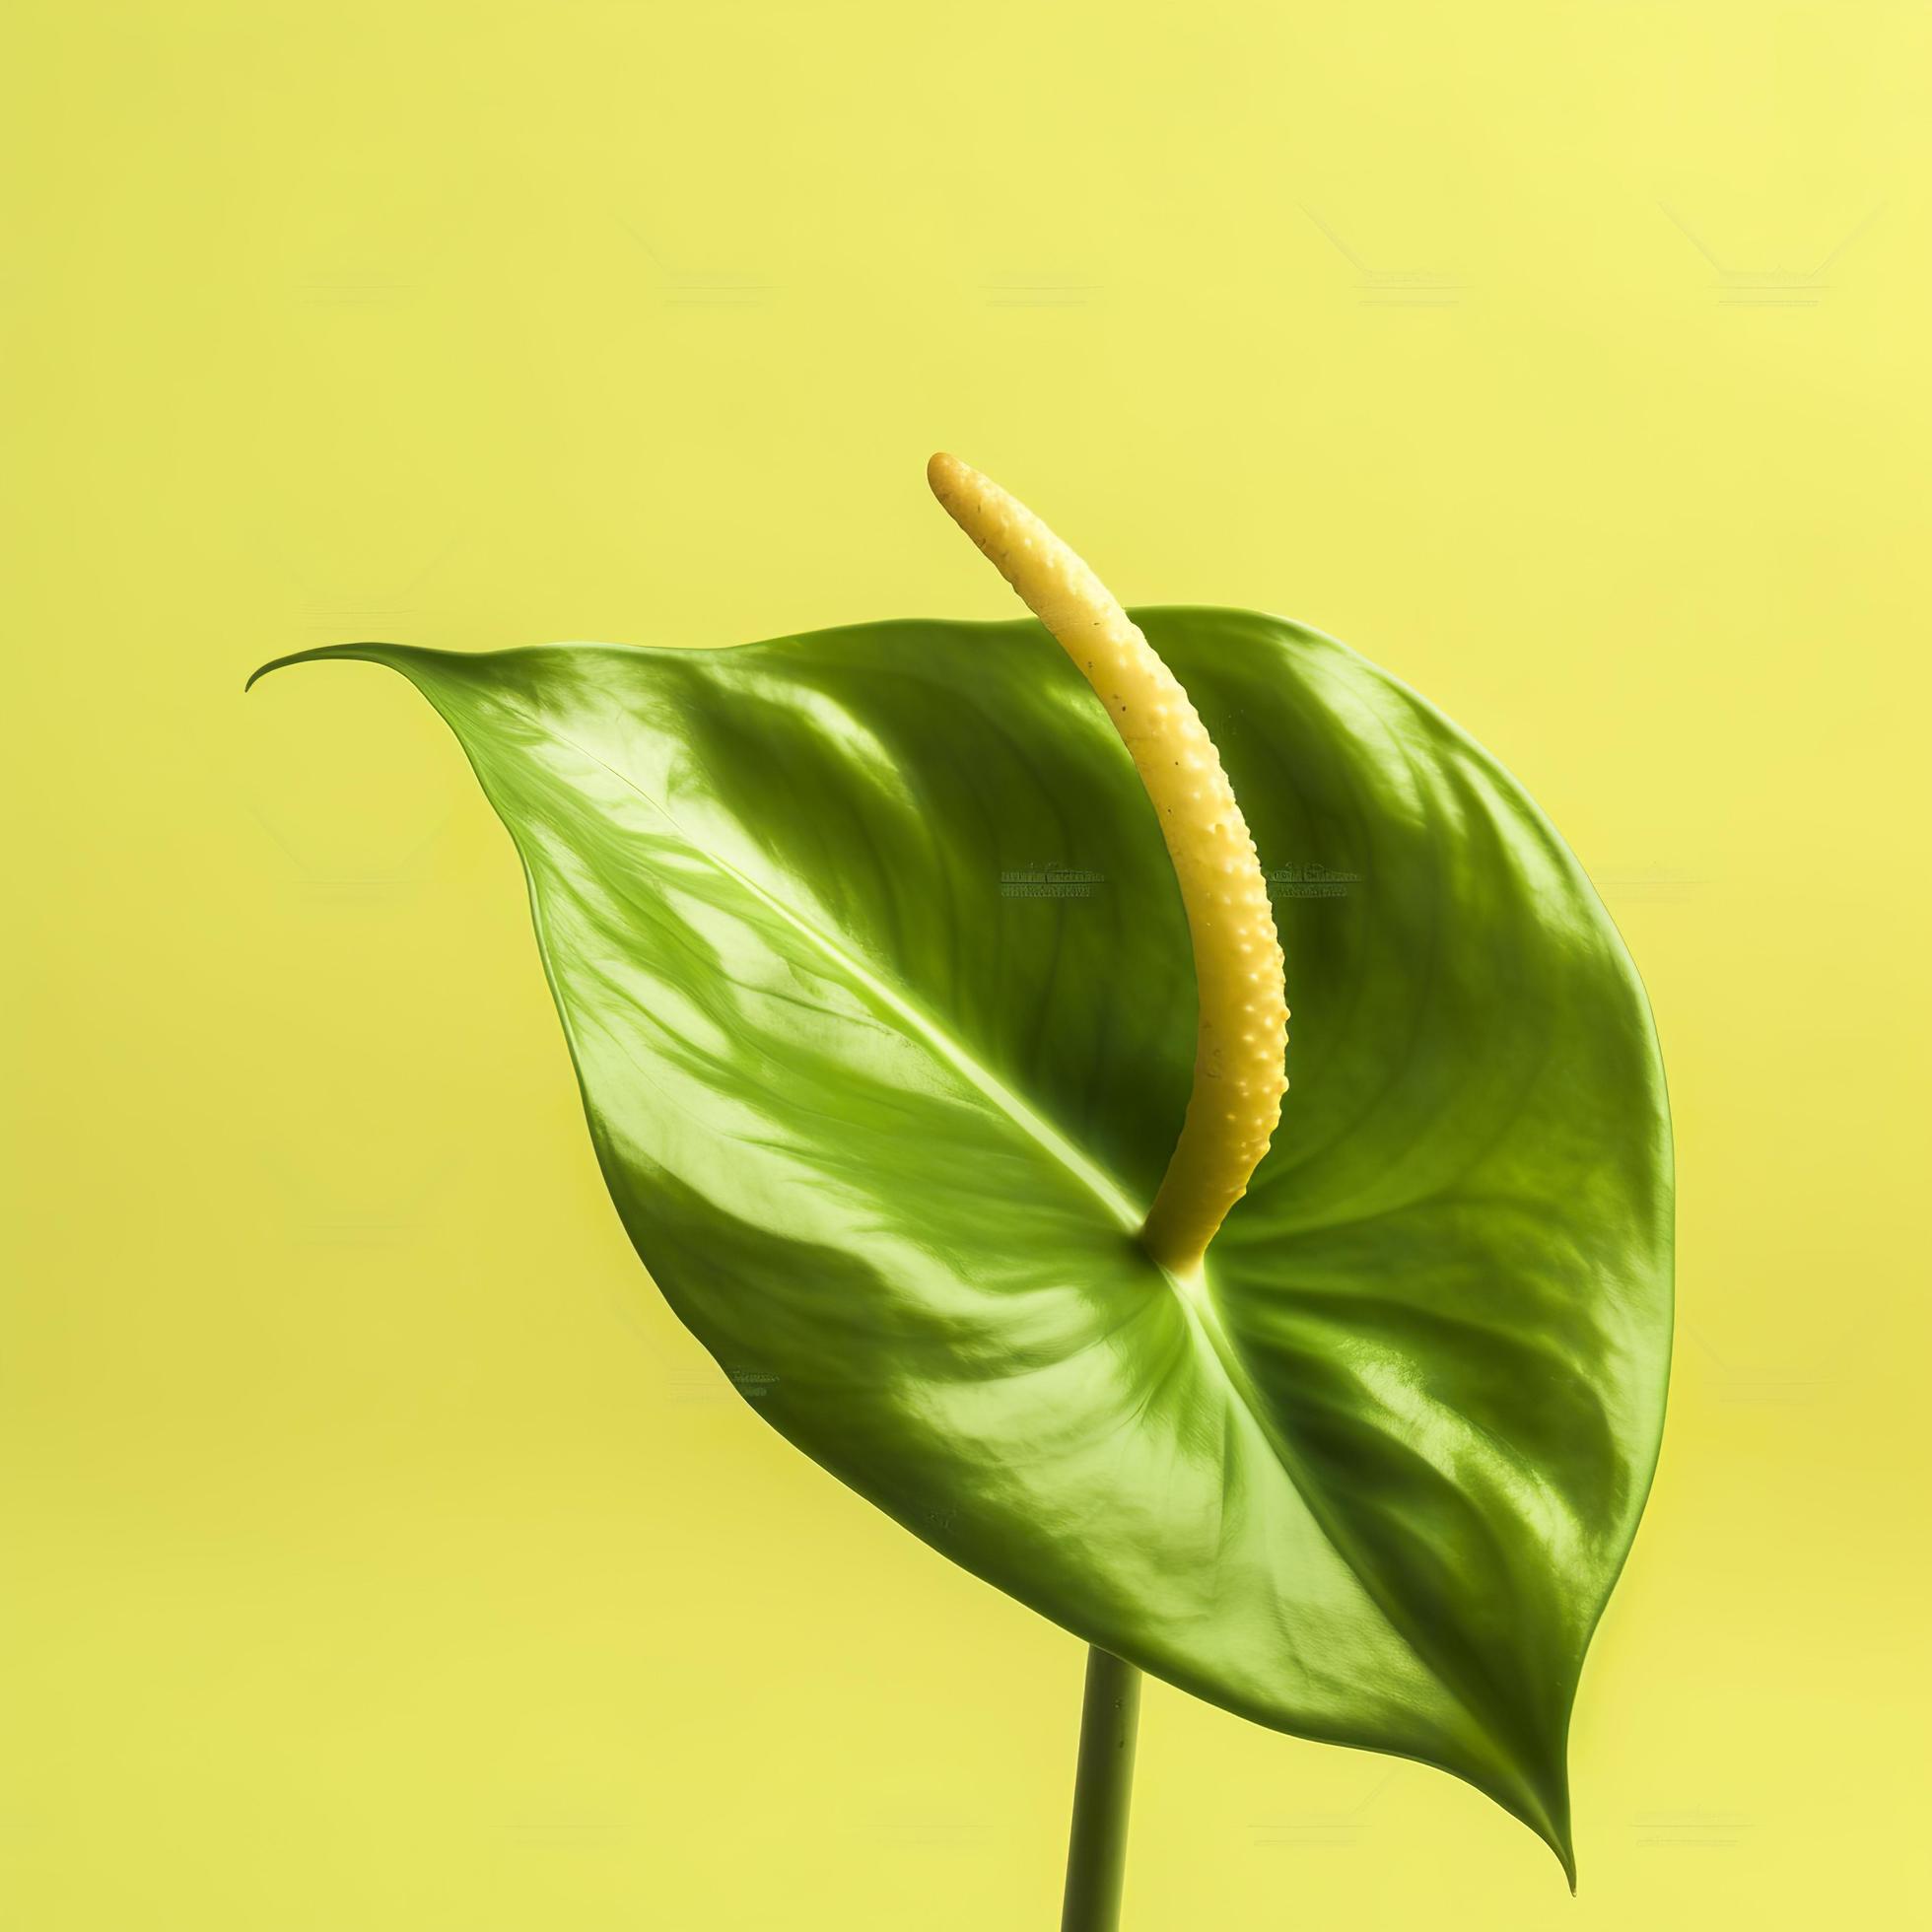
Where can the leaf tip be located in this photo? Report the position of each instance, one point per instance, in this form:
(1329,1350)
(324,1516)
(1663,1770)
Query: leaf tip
(373,653)
(1552,1826)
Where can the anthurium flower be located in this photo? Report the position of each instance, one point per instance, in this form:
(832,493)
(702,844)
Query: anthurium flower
(1351,1433)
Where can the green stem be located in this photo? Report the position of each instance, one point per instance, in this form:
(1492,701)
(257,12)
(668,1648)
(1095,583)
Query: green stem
(1103,1787)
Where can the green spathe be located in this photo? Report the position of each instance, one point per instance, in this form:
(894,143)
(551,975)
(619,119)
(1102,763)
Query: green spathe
(881,1106)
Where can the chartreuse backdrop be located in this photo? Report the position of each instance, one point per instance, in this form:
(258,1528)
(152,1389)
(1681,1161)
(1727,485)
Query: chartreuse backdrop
(379,1551)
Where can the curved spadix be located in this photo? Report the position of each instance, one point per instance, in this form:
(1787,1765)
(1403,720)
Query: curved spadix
(1239,1048)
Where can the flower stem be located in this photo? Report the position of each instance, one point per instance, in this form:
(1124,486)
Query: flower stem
(1103,1787)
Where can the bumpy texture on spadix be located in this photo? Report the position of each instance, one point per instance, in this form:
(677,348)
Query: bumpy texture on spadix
(1243,1025)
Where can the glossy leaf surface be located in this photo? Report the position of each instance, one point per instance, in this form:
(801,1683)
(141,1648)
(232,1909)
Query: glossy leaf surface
(876,977)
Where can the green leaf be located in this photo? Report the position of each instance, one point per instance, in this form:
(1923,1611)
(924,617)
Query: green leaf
(874,973)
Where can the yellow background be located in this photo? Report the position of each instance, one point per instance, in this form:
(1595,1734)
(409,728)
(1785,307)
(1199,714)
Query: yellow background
(378,1553)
